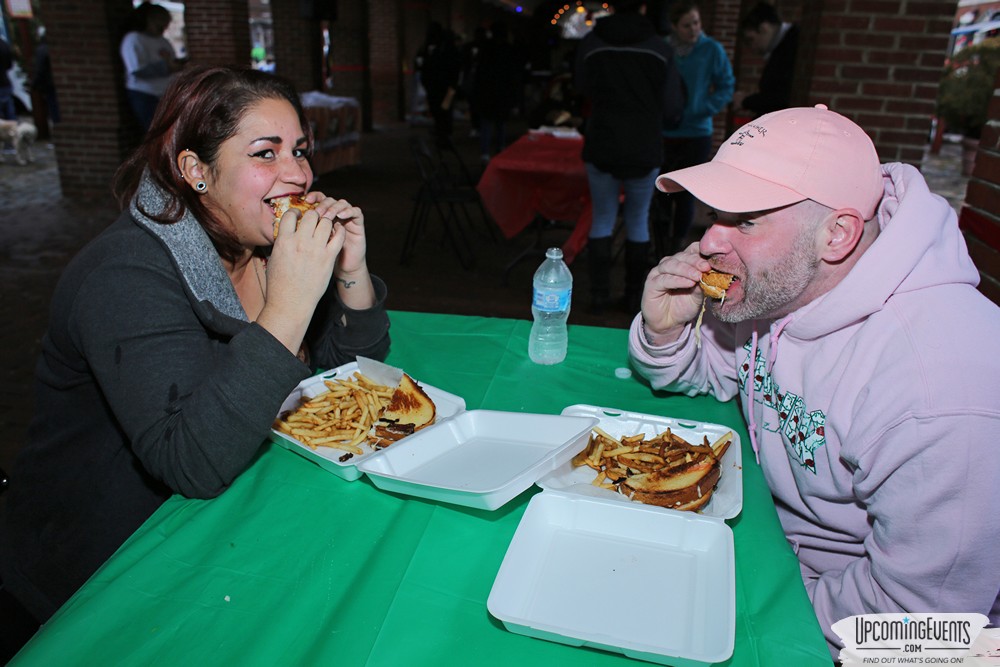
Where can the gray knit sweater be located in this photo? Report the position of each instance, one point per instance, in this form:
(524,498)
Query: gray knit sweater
(151,381)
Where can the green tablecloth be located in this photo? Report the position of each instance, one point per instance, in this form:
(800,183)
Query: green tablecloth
(295,566)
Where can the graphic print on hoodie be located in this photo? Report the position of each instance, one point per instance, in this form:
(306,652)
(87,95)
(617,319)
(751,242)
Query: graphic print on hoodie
(784,412)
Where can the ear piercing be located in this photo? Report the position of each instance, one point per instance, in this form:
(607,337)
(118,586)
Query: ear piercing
(201,186)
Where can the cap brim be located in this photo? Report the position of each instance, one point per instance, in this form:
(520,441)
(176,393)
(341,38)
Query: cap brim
(726,188)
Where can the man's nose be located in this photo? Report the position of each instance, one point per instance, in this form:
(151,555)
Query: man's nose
(715,240)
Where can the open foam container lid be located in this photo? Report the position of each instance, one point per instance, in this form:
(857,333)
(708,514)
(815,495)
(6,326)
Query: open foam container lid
(656,586)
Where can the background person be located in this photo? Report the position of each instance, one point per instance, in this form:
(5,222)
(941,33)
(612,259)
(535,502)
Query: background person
(43,84)
(861,352)
(623,67)
(177,333)
(708,79)
(778,42)
(499,77)
(439,64)
(149,60)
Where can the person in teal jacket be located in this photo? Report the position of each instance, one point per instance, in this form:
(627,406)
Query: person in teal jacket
(708,77)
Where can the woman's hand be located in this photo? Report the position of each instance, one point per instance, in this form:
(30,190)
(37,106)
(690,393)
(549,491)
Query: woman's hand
(671,297)
(354,283)
(299,270)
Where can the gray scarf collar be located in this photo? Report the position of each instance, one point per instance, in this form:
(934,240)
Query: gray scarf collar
(191,249)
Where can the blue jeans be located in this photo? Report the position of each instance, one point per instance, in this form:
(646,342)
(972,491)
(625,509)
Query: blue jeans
(605,191)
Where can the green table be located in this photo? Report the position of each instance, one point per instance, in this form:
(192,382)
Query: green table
(295,566)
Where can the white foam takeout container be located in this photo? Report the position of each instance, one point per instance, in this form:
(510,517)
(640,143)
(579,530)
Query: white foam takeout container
(479,458)
(446,406)
(623,577)
(727,499)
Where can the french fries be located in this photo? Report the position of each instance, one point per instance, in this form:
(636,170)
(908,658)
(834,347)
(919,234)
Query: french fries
(340,417)
(664,470)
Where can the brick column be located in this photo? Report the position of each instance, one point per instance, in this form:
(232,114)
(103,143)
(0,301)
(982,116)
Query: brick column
(980,217)
(298,51)
(97,128)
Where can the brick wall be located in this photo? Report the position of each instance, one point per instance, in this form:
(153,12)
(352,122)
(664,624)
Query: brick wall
(980,218)
(218,32)
(879,62)
(875,61)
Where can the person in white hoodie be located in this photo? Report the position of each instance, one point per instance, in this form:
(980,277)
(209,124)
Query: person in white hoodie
(863,357)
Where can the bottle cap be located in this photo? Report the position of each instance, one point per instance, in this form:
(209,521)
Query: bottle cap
(623,373)
(554,253)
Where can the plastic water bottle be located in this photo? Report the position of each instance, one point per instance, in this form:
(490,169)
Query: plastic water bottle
(553,293)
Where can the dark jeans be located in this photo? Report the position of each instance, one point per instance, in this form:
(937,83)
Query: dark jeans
(674,212)
(7,109)
(143,106)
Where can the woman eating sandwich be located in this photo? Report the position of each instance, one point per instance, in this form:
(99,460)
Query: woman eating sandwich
(177,333)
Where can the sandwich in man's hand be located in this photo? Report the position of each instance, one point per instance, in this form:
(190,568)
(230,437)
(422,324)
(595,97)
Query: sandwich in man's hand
(283,204)
(715,283)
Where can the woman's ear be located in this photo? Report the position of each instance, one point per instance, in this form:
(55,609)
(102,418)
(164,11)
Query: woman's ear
(843,231)
(191,169)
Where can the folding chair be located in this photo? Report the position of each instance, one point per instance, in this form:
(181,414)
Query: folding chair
(439,193)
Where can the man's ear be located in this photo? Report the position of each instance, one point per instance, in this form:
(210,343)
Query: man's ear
(191,168)
(842,231)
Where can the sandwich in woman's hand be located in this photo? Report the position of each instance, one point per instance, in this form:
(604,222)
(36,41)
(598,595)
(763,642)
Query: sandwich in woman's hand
(282,204)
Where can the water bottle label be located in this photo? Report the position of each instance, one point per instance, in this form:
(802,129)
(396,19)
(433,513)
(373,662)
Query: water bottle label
(552,301)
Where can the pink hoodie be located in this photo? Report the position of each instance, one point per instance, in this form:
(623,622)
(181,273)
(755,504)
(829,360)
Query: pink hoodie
(876,411)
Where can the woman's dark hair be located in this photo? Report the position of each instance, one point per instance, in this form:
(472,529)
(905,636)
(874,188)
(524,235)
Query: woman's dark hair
(201,109)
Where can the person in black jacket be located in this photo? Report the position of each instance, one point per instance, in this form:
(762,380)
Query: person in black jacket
(439,63)
(777,41)
(623,68)
(177,333)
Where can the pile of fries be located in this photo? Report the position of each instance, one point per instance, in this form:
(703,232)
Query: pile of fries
(341,417)
(664,470)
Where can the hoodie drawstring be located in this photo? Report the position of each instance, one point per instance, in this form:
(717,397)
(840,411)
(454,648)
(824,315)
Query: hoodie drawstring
(772,351)
(751,420)
(772,356)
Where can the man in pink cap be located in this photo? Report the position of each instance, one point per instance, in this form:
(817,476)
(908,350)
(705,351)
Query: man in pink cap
(863,357)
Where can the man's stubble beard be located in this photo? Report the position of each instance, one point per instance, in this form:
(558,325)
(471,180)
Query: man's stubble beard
(770,289)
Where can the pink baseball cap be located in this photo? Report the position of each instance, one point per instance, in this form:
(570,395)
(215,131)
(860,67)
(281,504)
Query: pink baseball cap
(785,157)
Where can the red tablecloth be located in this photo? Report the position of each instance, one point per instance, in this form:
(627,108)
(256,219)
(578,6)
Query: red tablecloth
(539,174)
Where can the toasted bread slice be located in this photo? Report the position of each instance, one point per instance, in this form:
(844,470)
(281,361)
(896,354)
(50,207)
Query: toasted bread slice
(715,283)
(689,497)
(409,405)
(283,204)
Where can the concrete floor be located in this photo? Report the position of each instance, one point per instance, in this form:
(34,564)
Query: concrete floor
(42,231)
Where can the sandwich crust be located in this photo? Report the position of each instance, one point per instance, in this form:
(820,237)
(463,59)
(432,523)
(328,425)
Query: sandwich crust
(409,410)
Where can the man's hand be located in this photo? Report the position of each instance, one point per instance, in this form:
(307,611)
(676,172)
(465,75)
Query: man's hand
(671,297)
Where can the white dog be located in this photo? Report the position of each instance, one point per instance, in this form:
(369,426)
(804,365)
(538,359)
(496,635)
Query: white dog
(22,136)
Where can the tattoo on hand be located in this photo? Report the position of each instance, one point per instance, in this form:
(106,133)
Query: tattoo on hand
(348,284)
